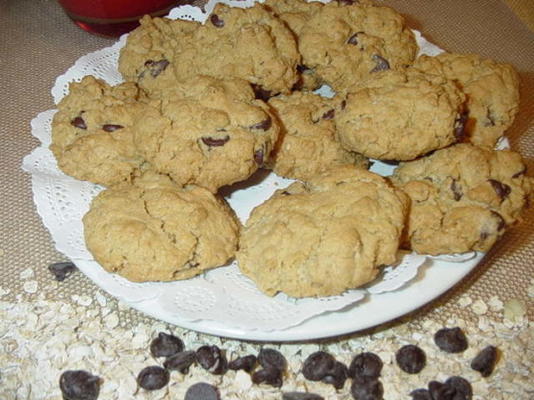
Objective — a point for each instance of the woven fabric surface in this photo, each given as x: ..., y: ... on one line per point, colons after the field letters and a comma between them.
x: 39, y: 43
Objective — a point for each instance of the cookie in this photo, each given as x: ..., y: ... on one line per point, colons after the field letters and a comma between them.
x: 308, y: 144
x: 347, y: 42
x: 92, y: 135
x: 207, y: 132
x: 324, y: 236
x: 153, y: 230
x: 463, y: 198
x: 250, y: 44
x: 492, y: 91
x: 400, y: 115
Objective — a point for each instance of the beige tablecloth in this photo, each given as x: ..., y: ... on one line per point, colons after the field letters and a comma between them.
x: 38, y: 42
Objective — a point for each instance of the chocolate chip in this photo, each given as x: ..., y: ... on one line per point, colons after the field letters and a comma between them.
x: 329, y: 114
x: 62, y: 270
x: 420, y: 394
x: 302, y: 68
x: 490, y: 118
x: 353, y: 39
x: 79, y: 385
x: 263, y: 125
x: 484, y: 362
x: 502, y: 222
x: 202, y: 391
x: 317, y: 365
x: 272, y: 358
x: 337, y: 375
x: 343, y: 104
x: 301, y: 396
x: 367, y: 389
x: 246, y: 363
x: 153, y: 378
x: 381, y: 63
x: 459, y: 126
x: 260, y: 93
x: 156, y: 67
x: 269, y: 375
x: 212, y: 359
x: 258, y: 157
x: 451, y: 340
x: 166, y: 345
x: 461, y: 386
x: 215, y: 142
x: 411, y: 359
x: 520, y: 173
x: 502, y: 189
x: 111, y: 127
x: 215, y: 20
x: 365, y: 364
x: 181, y: 361
x: 440, y: 391
x: 79, y: 123
x: 456, y: 189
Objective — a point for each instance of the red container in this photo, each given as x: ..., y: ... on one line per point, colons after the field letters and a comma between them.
x: 113, y: 17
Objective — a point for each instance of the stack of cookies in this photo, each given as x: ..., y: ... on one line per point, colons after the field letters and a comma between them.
x: 204, y: 106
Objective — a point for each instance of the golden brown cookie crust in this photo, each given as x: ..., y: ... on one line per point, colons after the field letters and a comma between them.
x: 463, y: 198
x: 400, y: 115
x: 153, y: 230
x: 492, y: 91
x: 308, y: 144
x: 325, y: 236
x: 250, y: 44
x: 207, y: 132
x: 92, y: 135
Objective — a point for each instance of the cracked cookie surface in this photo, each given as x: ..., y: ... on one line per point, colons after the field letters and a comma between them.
x: 346, y: 42
x: 207, y: 132
x: 463, y: 198
x: 92, y: 135
x: 250, y: 44
x: 324, y: 236
x: 492, y: 91
x: 400, y: 115
x: 308, y: 141
x: 153, y: 230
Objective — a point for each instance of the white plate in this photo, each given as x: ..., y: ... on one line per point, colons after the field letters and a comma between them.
x: 62, y: 201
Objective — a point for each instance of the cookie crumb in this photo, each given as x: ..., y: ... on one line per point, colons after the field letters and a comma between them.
x: 30, y: 286
x: 514, y: 309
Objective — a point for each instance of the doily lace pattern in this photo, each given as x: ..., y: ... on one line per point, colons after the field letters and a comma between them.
x: 221, y: 295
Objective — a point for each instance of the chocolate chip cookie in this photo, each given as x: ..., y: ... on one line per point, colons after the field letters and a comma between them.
x: 400, y: 115
x: 250, y: 44
x: 92, y: 135
x: 347, y: 42
x: 492, y: 91
x: 308, y: 143
x: 463, y: 197
x: 324, y: 236
x: 154, y: 230
x: 207, y: 132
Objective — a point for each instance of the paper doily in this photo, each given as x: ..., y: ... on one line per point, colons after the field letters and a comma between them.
x: 221, y: 295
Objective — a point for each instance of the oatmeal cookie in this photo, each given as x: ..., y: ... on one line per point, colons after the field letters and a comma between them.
x: 492, y: 91
x: 400, y: 115
x: 463, y: 197
x: 92, y: 135
x: 324, y: 236
x: 345, y: 42
x: 153, y: 230
x: 308, y: 143
x: 207, y: 132
x: 250, y: 44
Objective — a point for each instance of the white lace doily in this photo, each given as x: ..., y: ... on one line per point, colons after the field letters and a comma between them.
x: 222, y: 295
